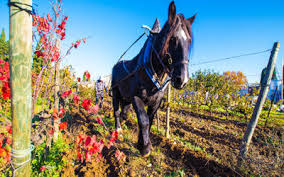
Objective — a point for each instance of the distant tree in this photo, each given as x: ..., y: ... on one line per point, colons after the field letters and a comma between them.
x: 233, y: 83
x: 4, y: 49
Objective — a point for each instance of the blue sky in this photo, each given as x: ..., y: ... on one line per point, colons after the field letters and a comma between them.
x: 221, y: 29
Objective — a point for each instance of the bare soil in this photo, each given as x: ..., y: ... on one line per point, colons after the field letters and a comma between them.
x: 198, y: 146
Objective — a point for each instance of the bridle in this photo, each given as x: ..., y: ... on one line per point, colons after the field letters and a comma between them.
x: 169, y: 65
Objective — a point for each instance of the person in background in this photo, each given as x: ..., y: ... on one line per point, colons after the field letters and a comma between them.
x: 99, y: 90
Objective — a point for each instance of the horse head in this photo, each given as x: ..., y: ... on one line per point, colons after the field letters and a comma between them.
x: 176, y: 45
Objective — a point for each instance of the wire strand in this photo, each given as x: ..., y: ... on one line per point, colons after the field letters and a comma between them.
x: 228, y: 58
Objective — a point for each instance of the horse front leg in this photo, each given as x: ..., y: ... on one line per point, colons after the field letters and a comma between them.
x: 153, y: 108
x: 144, y: 143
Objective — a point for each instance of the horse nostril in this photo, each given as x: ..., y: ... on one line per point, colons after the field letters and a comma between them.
x: 178, y: 80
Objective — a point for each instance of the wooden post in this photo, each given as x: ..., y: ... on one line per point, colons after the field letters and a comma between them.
x: 260, y: 101
x: 21, y: 91
x: 168, y: 111
x: 56, y: 94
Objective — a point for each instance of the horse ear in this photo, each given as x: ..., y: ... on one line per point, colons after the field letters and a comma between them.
x: 191, y: 19
x: 172, y: 12
x: 156, y: 27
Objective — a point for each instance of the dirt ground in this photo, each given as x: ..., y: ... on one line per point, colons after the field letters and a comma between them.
x: 198, y: 146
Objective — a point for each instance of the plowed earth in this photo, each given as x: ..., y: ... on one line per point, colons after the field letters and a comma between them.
x: 198, y: 146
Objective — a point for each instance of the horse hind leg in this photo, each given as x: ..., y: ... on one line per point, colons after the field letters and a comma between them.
x: 116, y: 112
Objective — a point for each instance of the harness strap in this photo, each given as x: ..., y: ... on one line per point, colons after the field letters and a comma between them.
x: 144, y: 60
x: 130, y: 46
x: 185, y: 62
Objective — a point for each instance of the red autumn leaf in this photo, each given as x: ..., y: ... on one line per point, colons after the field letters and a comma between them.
x: 94, y: 139
x: 87, y: 75
x: 117, y: 153
x: 99, y: 120
x: 62, y: 111
x: 80, y: 157
x: 80, y: 138
x: 94, y: 109
x: 8, y: 141
x: 62, y: 35
x: 94, y: 149
x: 2, y: 136
x: 120, y: 155
x: 6, y: 93
x: 42, y: 168
x: 101, y: 146
x: 55, y: 114
x: 114, y: 136
x: 62, y: 125
x: 76, y: 99
x: 88, y: 157
x: 9, y: 128
x: 79, y: 79
x: 66, y: 18
x: 84, y: 40
x: 3, y: 152
x: 66, y: 94
x: 86, y: 104
x: 34, y: 20
x: 38, y: 53
x: 7, y: 158
x: 74, y: 45
x: 49, y: 18
x: 58, y: 31
x: 77, y: 43
x: 51, y: 131
x: 88, y: 141
x: 62, y: 25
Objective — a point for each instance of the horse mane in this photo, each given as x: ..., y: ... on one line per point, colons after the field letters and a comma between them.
x: 168, y: 31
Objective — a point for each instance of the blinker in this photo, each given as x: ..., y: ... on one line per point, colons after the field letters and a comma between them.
x: 169, y: 59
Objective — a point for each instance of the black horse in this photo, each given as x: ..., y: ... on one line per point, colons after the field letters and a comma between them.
x: 142, y: 80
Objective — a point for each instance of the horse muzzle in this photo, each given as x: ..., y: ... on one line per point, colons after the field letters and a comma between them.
x: 178, y: 82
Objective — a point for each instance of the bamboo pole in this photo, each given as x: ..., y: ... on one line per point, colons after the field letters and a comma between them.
x: 158, y: 121
x: 260, y: 101
x: 282, y: 81
x: 56, y: 94
x: 21, y: 96
x: 174, y: 95
x: 168, y: 111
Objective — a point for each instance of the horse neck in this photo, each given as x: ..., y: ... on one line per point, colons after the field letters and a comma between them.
x: 158, y: 44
